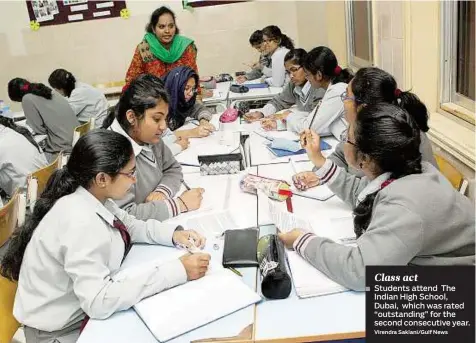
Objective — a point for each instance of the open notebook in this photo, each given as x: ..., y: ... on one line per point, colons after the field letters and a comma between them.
x: 318, y: 193
x: 184, y: 308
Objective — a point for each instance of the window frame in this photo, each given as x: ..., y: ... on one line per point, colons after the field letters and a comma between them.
x: 450, y: 100
x: 354, y: 61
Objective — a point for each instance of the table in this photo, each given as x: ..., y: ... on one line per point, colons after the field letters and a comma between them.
x: 254, y: 94
x: 260, y: 154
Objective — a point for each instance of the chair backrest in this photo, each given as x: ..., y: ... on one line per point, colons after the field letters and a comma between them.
x: 454, y: 176
x: 37, y: 180
x: 81, y: 130
x: 9, y: 324
x: 9, y: 218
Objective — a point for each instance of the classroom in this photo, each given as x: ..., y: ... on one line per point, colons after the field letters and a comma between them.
x: 232, y: 171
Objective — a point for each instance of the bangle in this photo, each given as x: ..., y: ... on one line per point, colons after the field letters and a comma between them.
x: 183, y: 202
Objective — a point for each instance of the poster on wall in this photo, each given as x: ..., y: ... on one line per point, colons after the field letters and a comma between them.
x: 52, y: 12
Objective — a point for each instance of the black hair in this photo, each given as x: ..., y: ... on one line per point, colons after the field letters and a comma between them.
x: 323, y: 60
x: 386, y: 135
x: 297, y: 56
x: 62, y: 79
x: 256, y: 38
x: 373, y: 85
x: 273, y: 32
x: 18, y: 88
x: 99, y: 151
x: 143, y: 93
x: 154, y: 19
x: 7, y: 122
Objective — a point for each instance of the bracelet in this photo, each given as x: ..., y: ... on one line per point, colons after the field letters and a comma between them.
x: 183, y: 202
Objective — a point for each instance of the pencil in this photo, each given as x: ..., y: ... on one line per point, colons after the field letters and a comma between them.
x: 185, y: 184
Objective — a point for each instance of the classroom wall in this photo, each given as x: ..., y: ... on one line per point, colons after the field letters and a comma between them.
x: 101, y: 50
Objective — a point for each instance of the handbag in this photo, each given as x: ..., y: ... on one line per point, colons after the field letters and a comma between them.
x: 220, y: 164
x: 275, y: 282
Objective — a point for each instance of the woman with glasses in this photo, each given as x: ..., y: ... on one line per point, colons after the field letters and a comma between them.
x: 141, y: 117
x: 276, y: 45
x: 181, y: 85
x: 405, y: 211
x: 298, y: 92
x: 371, y: 86
x: 67, y: 256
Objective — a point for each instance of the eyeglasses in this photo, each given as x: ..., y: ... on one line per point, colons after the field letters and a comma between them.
x: 344, y: 96
x: 267, y: 40
x: 344, y: 137
x: 131, y: 175
x: 293, y: 70
x: 192, y: 90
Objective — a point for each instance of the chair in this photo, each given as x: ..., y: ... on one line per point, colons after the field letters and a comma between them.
x: 81, y: 130
x: 9, y: 218
x: 36, y: 182
x: 9, y: 324
x: 454, y: 176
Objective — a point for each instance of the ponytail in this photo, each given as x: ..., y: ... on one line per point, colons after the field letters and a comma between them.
x: 18, y: 88
x: 343, y: 75
x: 417, y: 110
x: 111, y: 115
x: 287, y: 42
x: 323, y: 60
x: 388, y: 136
x: 98, y: 151
x: 19, y: 129
x: 61, y: 183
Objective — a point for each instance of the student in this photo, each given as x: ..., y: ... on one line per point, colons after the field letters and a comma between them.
x: 327, y: 118
x: 67, y: 255
x: 371, y: 86
x: 405, y: 211
x: 298, y: 92
x: 162, y: 48
x: 276, y: 45
x: 20, y: 156
x: 140, y: 115
x: 181, y: 85
x: 47, y: 113
x: 260, y: 68
x: 86, y: 101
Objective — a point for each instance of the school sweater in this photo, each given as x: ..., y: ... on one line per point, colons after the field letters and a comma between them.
x: 419, y: 219
x: 256, y: 73
x: 327, y: 118
x: 157, y: 170
x: 88, y: 102
x: 18, y: 159
x: 304, y: 97
x: 53, y: 118
x: 425, y: 149
x: 278, y: 72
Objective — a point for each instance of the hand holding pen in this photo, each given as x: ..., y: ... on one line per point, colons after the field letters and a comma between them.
x: 312, y: 143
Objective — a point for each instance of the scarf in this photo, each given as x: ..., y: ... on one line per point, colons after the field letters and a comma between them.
x: 177, y: 48
x: 175, y: 82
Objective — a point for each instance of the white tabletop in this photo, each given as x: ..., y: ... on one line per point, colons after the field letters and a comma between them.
x: 255, y: 93
x: 220, y: 93
x: 260, y: 154
x: 111, y: 90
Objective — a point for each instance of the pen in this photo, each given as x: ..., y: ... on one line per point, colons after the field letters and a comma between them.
x: 185, y: 184
x: 235, y: 271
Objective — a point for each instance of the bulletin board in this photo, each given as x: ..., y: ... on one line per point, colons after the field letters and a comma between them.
x: 52, y: 12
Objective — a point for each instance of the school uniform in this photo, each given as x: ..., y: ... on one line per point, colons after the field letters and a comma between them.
x: 88, y: 102
x: 69, y: 269
x: 157, y: 171
x: 256, y: 73
x: 18, y: 159
x: 327, y: 118
x: 418, y: 219
x: 425, y: 149
x: 305, y: 99
x: 278, y: 73
x: 53, y: 118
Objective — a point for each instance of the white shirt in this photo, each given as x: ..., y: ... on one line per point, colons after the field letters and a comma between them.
x: 278, y: 72
x: 18, y: 159
x: 69, y: 265
x: 88, y: 102
x: 328, y: 116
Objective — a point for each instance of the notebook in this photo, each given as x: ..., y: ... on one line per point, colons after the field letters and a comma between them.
x: 184, y: 308
x: 321, y: 193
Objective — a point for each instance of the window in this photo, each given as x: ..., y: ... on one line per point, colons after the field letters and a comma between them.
x: 458, y: 59
x: 359, y: 33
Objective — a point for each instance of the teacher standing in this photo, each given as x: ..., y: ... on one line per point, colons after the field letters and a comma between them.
x: 162, y: 48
